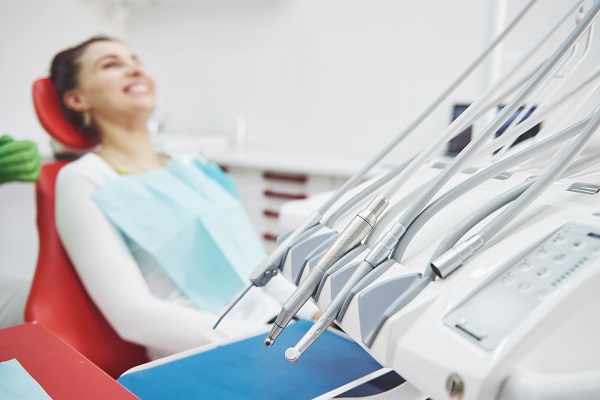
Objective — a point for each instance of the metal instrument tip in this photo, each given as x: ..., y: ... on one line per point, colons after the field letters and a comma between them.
x: 232, y: 305
x: 292, y: 354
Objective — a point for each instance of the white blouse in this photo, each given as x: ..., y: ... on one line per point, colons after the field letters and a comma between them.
x: 138, y: 299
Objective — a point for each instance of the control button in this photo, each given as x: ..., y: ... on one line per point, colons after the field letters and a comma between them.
x: 542, y: 252
x: 559, y: 239
x: 508, y: 279
x: 525, y: 265
x: 542, y: 294
x: 560, y: 258
x: 584, y: 187
x: 503, y: 176
x: 543, y: 272
x: 525, y: 286
x: 577, y: 244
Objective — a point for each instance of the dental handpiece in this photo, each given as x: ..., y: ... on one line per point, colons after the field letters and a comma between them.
x: 352, y: 235
x: 293, y: 353
x: 373, y: 259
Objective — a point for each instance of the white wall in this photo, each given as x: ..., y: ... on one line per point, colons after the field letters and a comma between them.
x: 344, y: 74
x: 31, y: 32
x: 347, y: 75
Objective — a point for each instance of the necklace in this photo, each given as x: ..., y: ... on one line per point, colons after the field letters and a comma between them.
x: 128, y: 166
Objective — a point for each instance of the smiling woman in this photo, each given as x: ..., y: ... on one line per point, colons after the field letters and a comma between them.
x: 161, y: 244
x: 105, y: 90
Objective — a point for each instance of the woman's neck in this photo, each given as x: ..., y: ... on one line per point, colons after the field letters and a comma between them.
x: 129, y: 151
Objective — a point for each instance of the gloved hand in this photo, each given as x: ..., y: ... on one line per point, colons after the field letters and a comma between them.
x: 19, y: 160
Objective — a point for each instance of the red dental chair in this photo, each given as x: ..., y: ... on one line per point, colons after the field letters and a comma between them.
x: 57, y: 298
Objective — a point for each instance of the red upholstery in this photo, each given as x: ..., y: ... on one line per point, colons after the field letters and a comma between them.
x: 58, y: 299
x: 53, y: 120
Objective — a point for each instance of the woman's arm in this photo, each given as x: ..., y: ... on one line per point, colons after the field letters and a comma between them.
x: 114, y: 281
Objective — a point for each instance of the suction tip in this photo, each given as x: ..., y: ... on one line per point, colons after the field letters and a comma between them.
x: 269, y: 342
x: 292, y: 354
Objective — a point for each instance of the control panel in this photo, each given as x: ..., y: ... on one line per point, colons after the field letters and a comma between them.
x: 491, y: 313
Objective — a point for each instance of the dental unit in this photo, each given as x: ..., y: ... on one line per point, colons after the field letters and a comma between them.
x: 451, y: 273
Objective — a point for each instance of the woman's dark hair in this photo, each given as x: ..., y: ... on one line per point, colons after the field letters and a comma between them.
x: 64, y: 72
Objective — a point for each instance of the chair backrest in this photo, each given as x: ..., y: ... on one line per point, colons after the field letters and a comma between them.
x: 50, y: 115
x: 57, y: 297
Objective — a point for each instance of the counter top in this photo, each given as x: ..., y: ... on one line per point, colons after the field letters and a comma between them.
x: 284, y: 159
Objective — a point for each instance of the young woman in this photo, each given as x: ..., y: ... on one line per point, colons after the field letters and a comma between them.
x: 165, y: 297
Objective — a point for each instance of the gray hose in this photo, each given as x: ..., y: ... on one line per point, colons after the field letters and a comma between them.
x: 558, y: 168
x: 383, y: 248
x: 545, y: 180
x: 400, y: 137
x: 363, y: 194
x: 438, y: 204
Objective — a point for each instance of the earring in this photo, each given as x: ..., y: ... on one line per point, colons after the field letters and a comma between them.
x: 87, y: 119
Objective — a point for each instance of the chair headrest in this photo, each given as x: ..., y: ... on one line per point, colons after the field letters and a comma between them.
x: 52, y: 118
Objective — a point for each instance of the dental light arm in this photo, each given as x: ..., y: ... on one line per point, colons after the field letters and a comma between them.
x: 455, y: 257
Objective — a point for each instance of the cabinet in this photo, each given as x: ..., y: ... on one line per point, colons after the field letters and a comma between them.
x: 265, y: 191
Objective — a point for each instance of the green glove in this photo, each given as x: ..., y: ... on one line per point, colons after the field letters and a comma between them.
x: 19, y: 160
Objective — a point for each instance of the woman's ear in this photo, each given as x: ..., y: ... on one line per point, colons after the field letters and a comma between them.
x: 76, y: 101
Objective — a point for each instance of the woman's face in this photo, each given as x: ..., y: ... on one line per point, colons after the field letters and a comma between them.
x: 112, y: 84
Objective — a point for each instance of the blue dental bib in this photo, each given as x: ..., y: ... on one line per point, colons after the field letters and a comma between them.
x: 189, y: 218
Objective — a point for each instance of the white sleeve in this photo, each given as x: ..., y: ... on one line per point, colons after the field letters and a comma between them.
x: 114, y: 281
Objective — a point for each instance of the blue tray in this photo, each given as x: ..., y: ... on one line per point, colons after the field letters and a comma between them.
x: 248, y: 370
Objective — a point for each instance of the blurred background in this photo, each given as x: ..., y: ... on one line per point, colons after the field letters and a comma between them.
x: 341, y: 77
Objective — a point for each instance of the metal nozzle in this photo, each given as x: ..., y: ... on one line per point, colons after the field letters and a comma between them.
x: 275, y: 331
x: 328, y: 315
x: 292, y: 354
x: 294, y: 303
x: 454, y: 258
